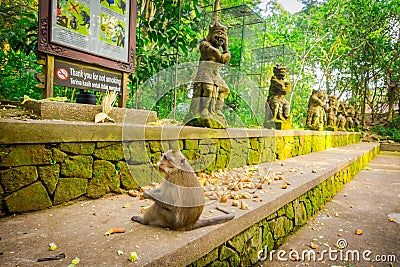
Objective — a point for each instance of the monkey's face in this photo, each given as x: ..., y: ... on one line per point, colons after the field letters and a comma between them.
x: 165, y: 167
x: 170, y: 162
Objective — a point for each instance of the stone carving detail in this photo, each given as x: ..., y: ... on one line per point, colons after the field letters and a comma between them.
x: 209, y: 88
x: 357, y: 120
x: 316, y: 113
x: 278, y: 89
x: 342, y: 114
x: 276, y: 101
x: 331, y: 110
x: 350, y: 114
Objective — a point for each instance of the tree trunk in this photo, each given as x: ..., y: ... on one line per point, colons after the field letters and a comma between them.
x: 391, y: 98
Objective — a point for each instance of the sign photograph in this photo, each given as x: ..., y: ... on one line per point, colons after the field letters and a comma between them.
x: 100, y: 32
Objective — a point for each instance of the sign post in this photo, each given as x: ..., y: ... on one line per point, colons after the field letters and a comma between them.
x: 89, y: 45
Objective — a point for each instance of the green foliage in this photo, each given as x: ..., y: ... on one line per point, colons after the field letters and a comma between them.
x: 17, y: 76
x: 392, y: 132
x: 18, y: 38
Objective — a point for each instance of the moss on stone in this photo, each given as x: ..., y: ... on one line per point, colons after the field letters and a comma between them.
x: 300, y: 213
x: 144, y: 174
x: 18, y: 177
x: 225, y: 252
x: 289, y: 211
x: 191, y: 144
x: 137, y: 152
x: 282, y: 226
x: 24, y: 155
x: 77, y: 166
x: 58, y: 156
x: 69, y: 188
x: 49, y: 176
x: 105, y: 179
x: 254, y: 157
x: 30, y: 198
x: 127, y: 180
x: 191, y: 155
x: 155, y: 146
x: 113, y: 152
x: 78, y: 148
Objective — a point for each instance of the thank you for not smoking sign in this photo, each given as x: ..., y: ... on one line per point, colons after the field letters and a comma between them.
x: 87, y: 78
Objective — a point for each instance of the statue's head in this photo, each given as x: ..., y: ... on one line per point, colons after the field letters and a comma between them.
x: 217, y: 34
x: 279, y: 71
x: 333, y: 100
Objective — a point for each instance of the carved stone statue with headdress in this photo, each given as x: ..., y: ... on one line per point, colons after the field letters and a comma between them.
x: 341, y: 116
x: 276, y: 101
x: 331, y: 111
x: 209, y: 89
x: 316, y: 113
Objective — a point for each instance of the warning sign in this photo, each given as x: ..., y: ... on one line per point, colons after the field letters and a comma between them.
x: 62, y: 74
x: 87, y: 78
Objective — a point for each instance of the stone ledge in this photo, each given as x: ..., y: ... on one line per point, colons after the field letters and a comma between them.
x: 49, y: 110
x: 390, y: 147
x: 157, y: 246
x: 50, y: 131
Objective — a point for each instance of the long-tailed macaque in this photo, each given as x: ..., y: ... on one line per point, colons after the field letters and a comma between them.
x: 179, y: 201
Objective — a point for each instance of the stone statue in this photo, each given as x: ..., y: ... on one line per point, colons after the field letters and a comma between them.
x: 316, y: 113
x: 357, y: 120
x: 331, y: 110
x: 350, y: 114
x: 276, y: 101
x: 209, y: 89
x: 341, y: 116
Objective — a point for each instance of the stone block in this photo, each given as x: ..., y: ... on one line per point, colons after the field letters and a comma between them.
x: 77, y: 166
x: 105, y: 179
x: 127, y: 181
x: 23, y: 155
x: 30, y: 198
x: 282, y: 227
x: 18, y: 177
x: 225, y: 144
x: 191, y: 144
x: 58, y: 156
x: 49, y: 176
x: 112, y: 152
x: 225, y: 252
x: 136, y: 152
x: 289, y: 211
x: 69, y: 188
x: 155, y: 146
x: 78, y: 148
x: 4, y: 150
x: 144, y: 174
x: 300, y: 213
x: 283, y: 125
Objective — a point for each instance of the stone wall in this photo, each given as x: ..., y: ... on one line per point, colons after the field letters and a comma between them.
x: 35, y: 175
x: 245, y: 248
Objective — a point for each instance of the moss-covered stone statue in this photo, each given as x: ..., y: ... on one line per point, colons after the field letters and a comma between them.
x: 350, y: 114
x: 331, y: 111
x: 209, y: 89
x: 357, y: 121
x: 316, y: 113
x: 341, y: 116
x: 277, y: 102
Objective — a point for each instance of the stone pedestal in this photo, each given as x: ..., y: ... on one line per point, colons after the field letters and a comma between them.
x: 283, y: 125
x: 48, y: 110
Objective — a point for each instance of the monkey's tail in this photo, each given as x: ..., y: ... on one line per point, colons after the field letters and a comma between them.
x: 229, y: 215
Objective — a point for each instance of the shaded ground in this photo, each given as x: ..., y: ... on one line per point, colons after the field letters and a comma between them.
x: 370, y: 203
